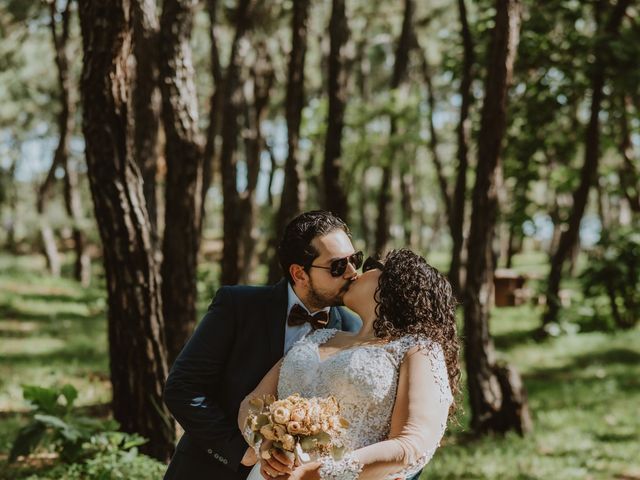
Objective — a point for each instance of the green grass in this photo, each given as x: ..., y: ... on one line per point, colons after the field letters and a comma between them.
x: 584, y: 389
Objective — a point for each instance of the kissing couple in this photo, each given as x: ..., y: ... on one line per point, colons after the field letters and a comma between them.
x: 390, y: 359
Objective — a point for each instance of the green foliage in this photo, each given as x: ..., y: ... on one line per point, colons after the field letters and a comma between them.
x: 55, y: 426
x: 614, y: 271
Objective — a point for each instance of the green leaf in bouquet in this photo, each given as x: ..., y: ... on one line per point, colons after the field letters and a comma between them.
x: 313, y: 441
x: 254, y: 438
x: 338, y: 452
x: 256, y: 422
x: 27, y: 440
x: 256, y: 405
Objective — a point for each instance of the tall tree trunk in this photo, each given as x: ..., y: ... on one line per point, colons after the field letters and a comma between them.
x: 136, y: 328
x: 570, y: 237
x: 294, y: 191
x: 233, y: 101
x: 146, y: 103
x: 60, y: 37
x: 401, y: 63
x: 463, y: 132
x: 433, y: 139
x: 184, y: 157
x: 628, y: 173
x: 335, y: 198
x: 263, y: 77
x: 72, y: 200
x: 82, y: 264
x: 497, y: 396
x: 215, y: 109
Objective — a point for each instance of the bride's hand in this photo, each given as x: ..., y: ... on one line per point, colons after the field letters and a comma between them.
x: 278, y: 465
x: 307, y: 471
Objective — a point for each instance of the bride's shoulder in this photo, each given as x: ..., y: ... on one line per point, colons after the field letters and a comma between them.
x: 411, y: 344
x: 321, y: 335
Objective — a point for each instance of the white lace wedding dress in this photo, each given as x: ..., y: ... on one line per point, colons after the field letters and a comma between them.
x: 400, y: 434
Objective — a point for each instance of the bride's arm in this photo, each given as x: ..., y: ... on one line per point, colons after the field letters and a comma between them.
x: 417, y: 424
x: 268, y: 385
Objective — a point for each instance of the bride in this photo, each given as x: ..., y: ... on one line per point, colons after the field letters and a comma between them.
x: 396, y: 380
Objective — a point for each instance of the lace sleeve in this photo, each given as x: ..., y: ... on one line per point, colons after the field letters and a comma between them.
x: 418, y: 420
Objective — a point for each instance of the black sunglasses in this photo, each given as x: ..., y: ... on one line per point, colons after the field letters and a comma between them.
x: 372, y: 264
x: 339, y: 266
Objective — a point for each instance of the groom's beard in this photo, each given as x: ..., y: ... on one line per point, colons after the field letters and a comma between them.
x: 319, y: 299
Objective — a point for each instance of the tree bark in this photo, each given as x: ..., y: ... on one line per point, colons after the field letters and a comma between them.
x: 210, y: 166
x: 146, y: 103
x: 82, y: 264
x: 570, y: 237
x: 136, y: 328
x: 463, y: 133
x: 401, y: 63
x: 497, y: 396
x: 65, y: 125
x: 184, y: 157
x: 294, y: 191
x: 263, y: 77
x: 335, y: 198
x: 628, y: 173
x: 232, y: 221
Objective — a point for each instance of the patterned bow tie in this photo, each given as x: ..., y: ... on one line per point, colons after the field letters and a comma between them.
x: 299, y: 316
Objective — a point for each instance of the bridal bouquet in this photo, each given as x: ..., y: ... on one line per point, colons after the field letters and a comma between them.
x: 298, y: 426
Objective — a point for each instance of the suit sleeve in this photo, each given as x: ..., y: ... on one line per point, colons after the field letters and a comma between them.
x: 199, y: 367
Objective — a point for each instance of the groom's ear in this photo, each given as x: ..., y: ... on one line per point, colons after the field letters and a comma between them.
x: 299, y: 275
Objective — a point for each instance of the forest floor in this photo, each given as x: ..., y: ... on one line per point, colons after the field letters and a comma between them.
x: 583, y: 387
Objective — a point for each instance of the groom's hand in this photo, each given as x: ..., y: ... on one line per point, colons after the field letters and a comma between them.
x: 276, y: 463
x: 250, y: 458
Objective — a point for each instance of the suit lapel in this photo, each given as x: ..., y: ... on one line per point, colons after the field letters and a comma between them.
x: 276, y: 319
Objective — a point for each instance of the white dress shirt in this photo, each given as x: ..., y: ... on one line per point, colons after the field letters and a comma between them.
x: 293, y: 334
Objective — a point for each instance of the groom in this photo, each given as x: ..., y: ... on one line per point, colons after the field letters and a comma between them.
x: 244, y: 333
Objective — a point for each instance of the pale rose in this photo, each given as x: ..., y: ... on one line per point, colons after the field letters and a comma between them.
x: 295, y: 428
x: 279, y: 431
x: 281, y: 415
x: 268, y: 433
x: 298, y: 414
x: 288, y: 442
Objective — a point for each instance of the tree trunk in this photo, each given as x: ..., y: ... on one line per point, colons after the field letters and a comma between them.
x: 401, y: 63
x: 146, y: 103
x: 65, y: 125
x: 82, y: 264
x: 293, y: 192
x: 497, y: 396
x: 335, y: 198
x: 433, y: 139
x: 570, y: 237
x: 72, y: 199
x: 210, y: 166
x: 463, y: 133
x: 263, y: 77
x: 628, y: 173
x: 136, y: 328
x: 232, y: 222
x: 184, y: 157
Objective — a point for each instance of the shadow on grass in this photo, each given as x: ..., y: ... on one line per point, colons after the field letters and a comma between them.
x: 508, y: 340
x: 82, y: 354
x: 7, y: 311
x: 546, y: 382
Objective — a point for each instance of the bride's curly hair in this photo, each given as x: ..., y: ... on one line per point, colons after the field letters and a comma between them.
x: 413, y: 298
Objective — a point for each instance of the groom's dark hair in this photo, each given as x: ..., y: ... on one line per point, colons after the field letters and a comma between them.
x: 295, y: 245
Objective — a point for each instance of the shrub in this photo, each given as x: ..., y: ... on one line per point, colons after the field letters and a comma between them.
x: 614, y: 272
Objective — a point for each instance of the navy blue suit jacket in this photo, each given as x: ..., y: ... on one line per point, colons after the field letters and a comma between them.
x: 238, y: 340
